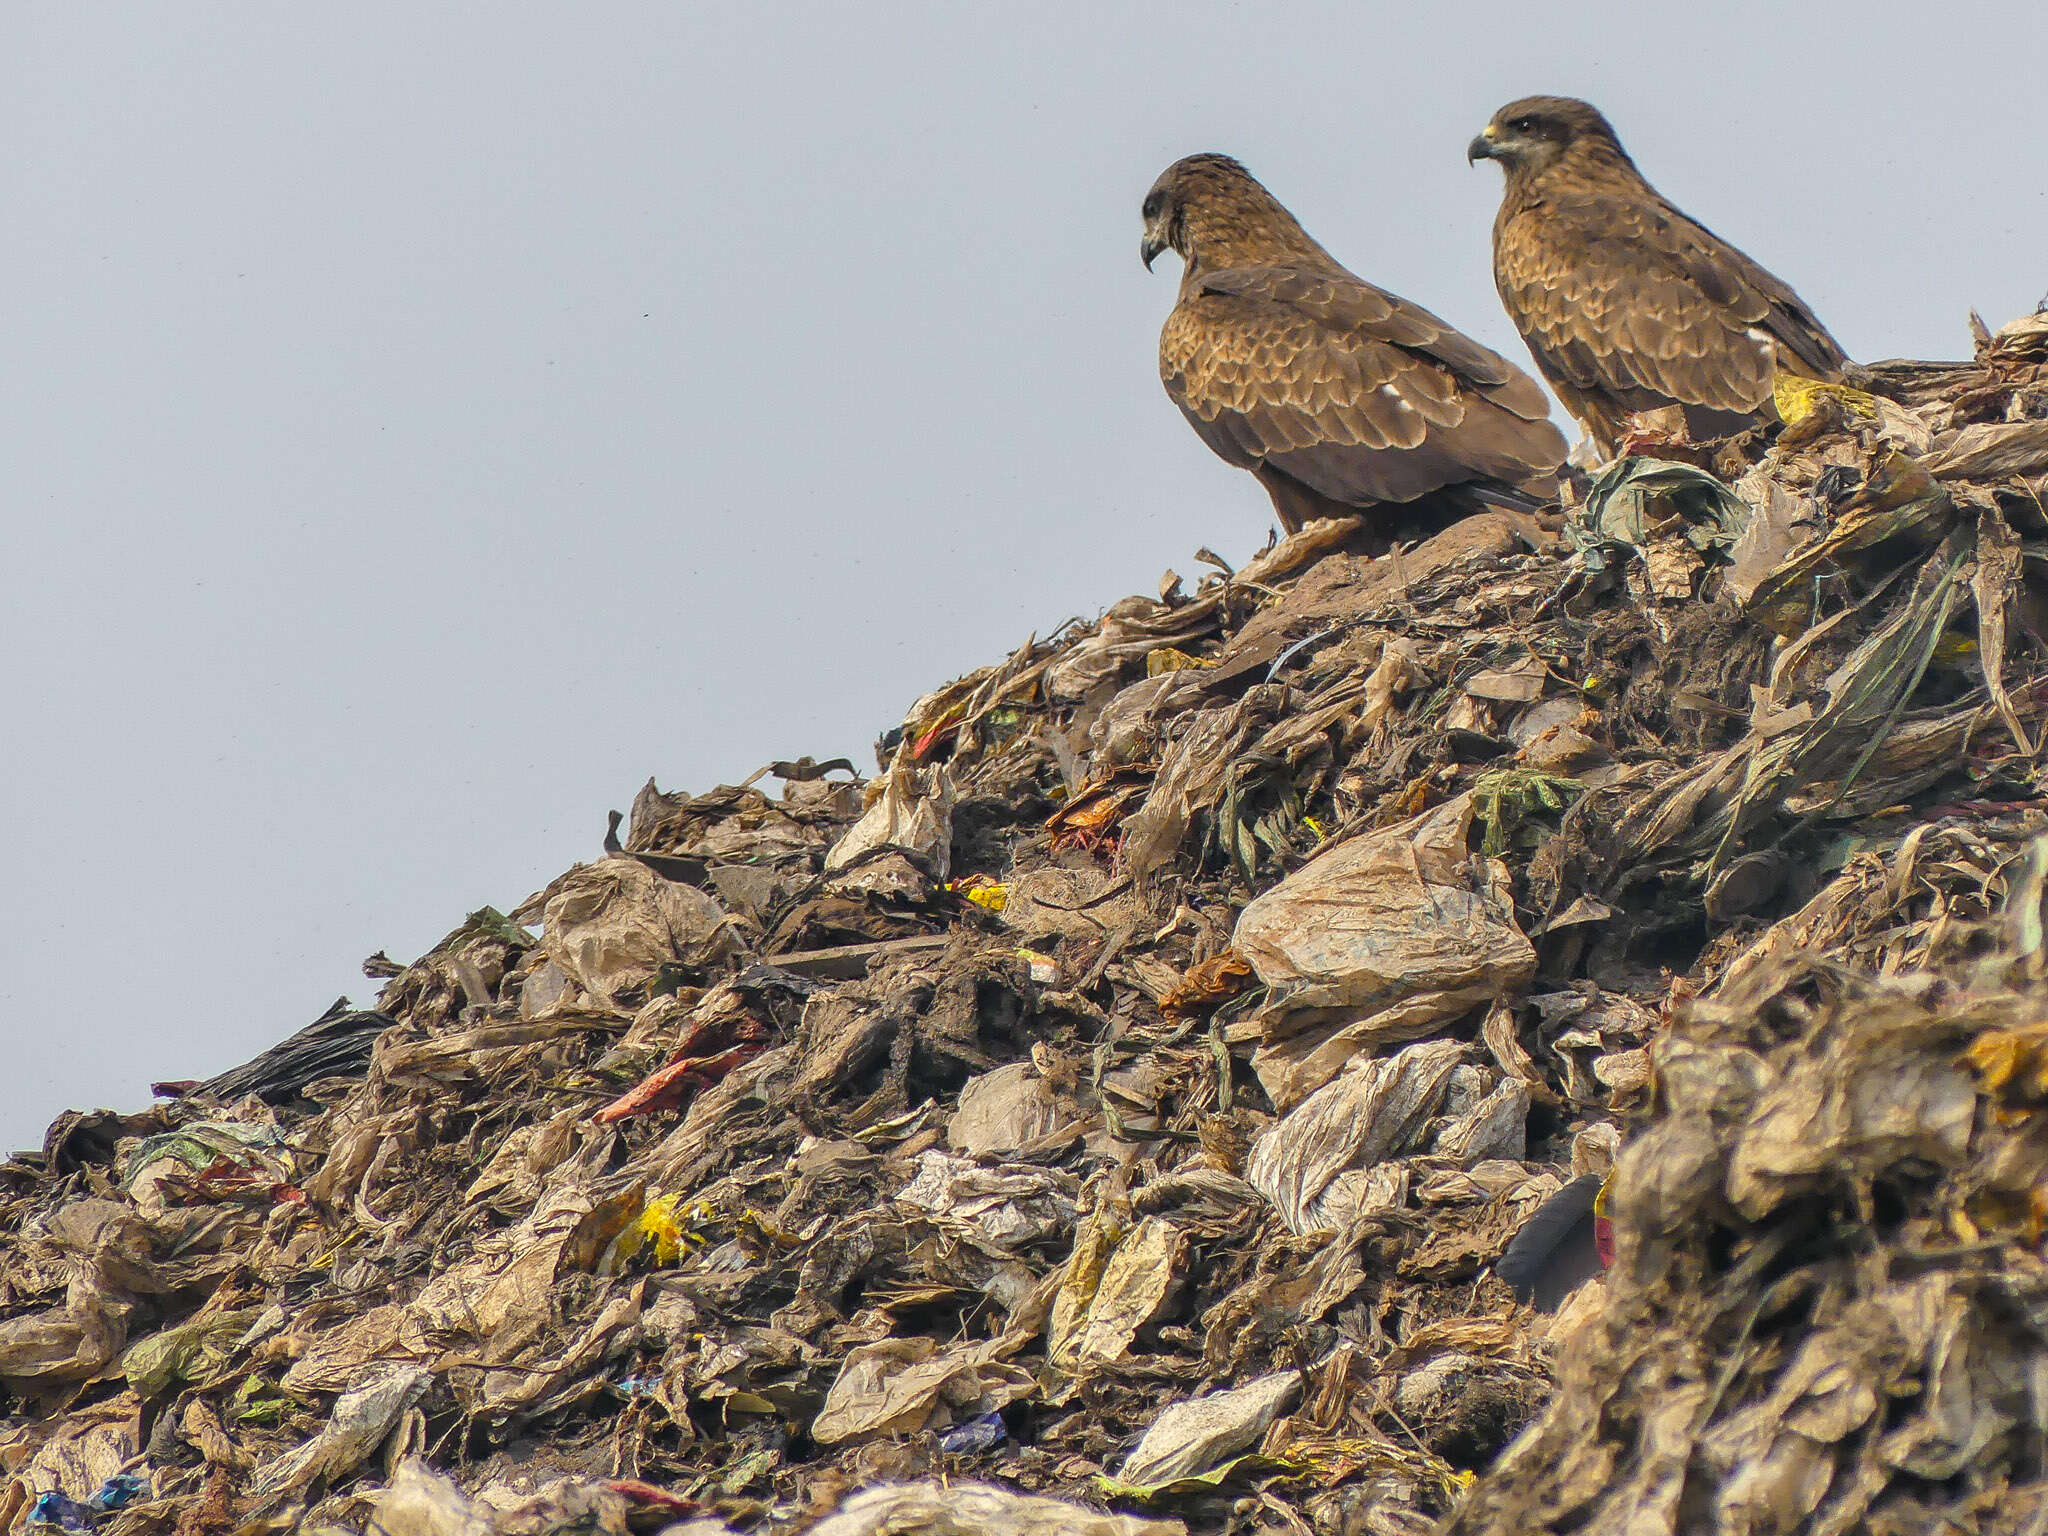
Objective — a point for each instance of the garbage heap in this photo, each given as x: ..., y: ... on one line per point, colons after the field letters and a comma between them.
x: 1104, y: 1120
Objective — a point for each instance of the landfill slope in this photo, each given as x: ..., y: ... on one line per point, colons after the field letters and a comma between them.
x: 1106, y: 1117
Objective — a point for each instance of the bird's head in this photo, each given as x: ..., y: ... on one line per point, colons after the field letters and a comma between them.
x: 1531, y: 135
x: 1161, y: 213
x: 1212, y: 213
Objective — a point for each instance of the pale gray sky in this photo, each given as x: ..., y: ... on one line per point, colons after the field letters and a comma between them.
x: 420, y: 424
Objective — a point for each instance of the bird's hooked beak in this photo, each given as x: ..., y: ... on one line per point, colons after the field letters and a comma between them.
x: 1485, y: 147
x: 1158, y: 216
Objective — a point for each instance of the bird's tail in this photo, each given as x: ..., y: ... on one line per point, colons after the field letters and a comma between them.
x: 1532, y: 495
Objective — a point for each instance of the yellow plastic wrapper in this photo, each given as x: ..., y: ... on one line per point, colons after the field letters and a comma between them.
x: 2012, y: 1065
x: 989, y: 895
x: 1797, y: 398
x: 658, y: 1225
x: 1167, y: 659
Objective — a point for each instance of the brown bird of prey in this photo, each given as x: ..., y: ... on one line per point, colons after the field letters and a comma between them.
x: 1627, y: 304
x: 1337, y: 395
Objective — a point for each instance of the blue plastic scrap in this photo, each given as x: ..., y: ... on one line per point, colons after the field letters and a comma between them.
x: 59, y: 1512
x: 56, y: 1511
x: 119, y: 1491
x: 975, y: 1435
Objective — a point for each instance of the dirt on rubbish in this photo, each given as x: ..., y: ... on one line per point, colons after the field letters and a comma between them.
x: 1105, y: 1119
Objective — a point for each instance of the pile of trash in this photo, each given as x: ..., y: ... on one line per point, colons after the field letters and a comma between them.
x: 1106, y: 1119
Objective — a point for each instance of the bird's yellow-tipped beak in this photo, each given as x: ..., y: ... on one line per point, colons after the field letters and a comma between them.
x: 1149, y: 248
x: 1482, y: 148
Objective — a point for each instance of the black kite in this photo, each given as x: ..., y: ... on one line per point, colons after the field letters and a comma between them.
x: 1627, y: 304
x: 1337, y: 395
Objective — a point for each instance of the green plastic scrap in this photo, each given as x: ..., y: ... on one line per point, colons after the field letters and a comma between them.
x: 203, y: 1143
x: 1505, y: 800
x: 1866, y: 695
x: 1638, y: 498
x: 258, y: 1402
x: 490, y: 923
x: 197, y: 1351
x: 1194, y: 1482
x: 2025, y: 907
x: 1001, y: 725
x: 1319, y: 1463
x: 1259, y: 815
x: 747, y: 1471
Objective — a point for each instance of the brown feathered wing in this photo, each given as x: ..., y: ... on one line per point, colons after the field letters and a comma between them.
x: 1358, y: 394
x: 1628, y: 305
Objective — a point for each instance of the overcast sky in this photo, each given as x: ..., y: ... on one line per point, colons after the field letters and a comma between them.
x: 420, y: 424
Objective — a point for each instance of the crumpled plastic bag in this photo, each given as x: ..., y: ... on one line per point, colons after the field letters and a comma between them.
x: 56, y: 1511
x: 361, y: 1418
x: 912, y: 810
x: 1004, y: 1109
x: 1130, y: 631
x: 1317, y: 1163
x: 197, y: 1351
x: 1006, y: 1206
x: 108, y: 1254
x: 1638, y: 501
x: 423, y: 1502
x: 1386, y: 937
x: 974, y: 1509
x: 1074, y: 903
x: 1189, y: 777
x: 336, y: 1356
x: 904, y: 1386
x: 61, y: 1343
x: 252, y: 1151
x: 1197, y: 1435
x: 1129, y: 1291
x: 536, y: 1384
x: 1496, y: 1127
x: 614, y: 924
x: 81, y: 1458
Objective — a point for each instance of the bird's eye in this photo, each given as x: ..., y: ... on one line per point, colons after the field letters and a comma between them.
x: 1152, y: 206
x: 1523, y: 125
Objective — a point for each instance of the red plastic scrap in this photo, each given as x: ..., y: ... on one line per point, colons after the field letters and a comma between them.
x: 645, y: 1496
x: 665, y: 1087
x: 226, y: 1179
x: 1089, y: 820
x: 948, y: 723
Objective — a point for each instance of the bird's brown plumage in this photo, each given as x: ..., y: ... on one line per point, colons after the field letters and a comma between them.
x: 1628, y: 305
x: 1337, y: 395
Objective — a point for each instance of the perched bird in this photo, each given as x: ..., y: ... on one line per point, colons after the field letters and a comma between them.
x: 1627, y: 304
x: 1566, y: 1243
x: 1337, y: 395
